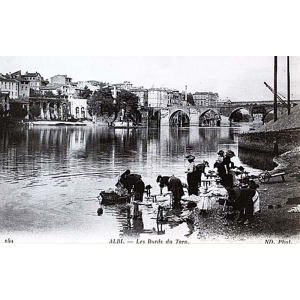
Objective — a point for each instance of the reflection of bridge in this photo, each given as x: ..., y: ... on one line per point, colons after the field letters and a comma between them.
x: 223, y: 113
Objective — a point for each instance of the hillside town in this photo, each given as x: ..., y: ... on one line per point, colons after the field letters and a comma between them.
x: 28, y: 96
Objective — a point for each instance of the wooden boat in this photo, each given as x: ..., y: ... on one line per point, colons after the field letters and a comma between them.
x: 113, y: 198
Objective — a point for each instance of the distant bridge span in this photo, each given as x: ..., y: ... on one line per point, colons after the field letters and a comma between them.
x: 225, y: 111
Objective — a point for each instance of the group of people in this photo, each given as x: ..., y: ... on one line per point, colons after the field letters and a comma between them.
x: 245, y: 200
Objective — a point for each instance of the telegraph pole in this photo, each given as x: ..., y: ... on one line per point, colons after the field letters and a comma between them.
x: 288, y: 86
x: 275, y: 88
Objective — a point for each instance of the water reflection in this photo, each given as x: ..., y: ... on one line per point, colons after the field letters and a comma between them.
x: 55, y: 173
x: 259, y: 160
x: 131, y: 223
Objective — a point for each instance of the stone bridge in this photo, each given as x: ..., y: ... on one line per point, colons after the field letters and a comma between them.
x: 257, y: 110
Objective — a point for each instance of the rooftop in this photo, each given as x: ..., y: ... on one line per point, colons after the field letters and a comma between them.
x: 61, y: 76
x: 31, y: 74
x: 6, y: 79
x: 52, y: 86
x: 205, y: 93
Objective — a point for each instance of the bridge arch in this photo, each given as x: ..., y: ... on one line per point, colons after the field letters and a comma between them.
x: 210, y: 120
x: 230, y: 117
x: 280, y: 112
x: 266, y: 114
x: 180, y: 118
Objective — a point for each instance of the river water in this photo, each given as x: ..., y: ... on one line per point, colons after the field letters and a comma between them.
x: 50, y: 177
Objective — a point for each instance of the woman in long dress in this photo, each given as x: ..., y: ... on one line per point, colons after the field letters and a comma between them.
x: 192, y: 179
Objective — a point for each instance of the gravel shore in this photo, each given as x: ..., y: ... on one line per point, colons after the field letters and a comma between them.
x: 274, y: 223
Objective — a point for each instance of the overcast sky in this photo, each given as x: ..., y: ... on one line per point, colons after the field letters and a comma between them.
x: 238, y: 78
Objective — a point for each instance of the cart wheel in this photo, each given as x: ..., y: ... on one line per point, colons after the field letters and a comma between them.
x: 264, y: 177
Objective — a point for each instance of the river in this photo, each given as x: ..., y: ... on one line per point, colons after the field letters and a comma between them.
x: 50, y: 177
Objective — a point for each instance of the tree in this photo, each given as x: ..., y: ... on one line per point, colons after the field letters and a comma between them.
x: 34, y: 110
x: 102, y: 103
x: 17, y: 111
x: 130, y: 103
x: 49, y: 94
x: 85, y: 93
x: 34, y: 93
x: 190, y: 99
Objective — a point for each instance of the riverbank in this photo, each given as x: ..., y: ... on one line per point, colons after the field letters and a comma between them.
x: 285, y: 131
x: 57, y: 123
x: 273, y: 222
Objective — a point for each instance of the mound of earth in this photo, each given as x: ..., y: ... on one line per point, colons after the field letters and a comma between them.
x: 285, y: 122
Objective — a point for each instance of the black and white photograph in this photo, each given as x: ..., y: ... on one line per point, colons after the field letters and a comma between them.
x: 149, y: 149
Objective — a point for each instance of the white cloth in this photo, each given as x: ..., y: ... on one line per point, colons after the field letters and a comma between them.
x: 191, y: 167
x: 256, y: 201
x: 191, y: 198
x: 205, y: 202
x: 220, y: 158
x: 235, y: 181
x: 295, y: 209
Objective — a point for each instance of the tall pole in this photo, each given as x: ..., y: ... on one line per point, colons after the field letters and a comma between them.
x: 275, y: 88
x: 185, y: 96
x: 288, y: 86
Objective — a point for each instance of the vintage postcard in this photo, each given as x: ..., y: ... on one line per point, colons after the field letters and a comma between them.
x: 150, y: 150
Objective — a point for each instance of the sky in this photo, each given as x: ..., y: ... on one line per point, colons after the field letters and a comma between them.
x: 239, y: 78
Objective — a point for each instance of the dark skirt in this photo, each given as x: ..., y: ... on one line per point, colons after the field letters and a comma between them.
x: 192, y: 184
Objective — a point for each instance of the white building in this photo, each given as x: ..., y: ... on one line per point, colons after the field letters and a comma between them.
x: 9, y: 85
x: 158, y: 97
x: 61, y: 89
x: 78, y: 108
x: 226, y: 101
x: 90, y: 85
x: 205, y: 98
x: 61, y: 79
x: 126, y: 85
x: 36, y: 81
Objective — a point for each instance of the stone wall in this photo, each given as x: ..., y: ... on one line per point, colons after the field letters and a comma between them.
x: 264, y: 141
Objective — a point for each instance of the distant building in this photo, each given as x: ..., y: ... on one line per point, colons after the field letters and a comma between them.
x: 226, y: 101
x: 126, y: 85
x: 56, y: 89
x: 142, y: 94
x: 205, y: 98
x: 36, y: 81
x: 175, y: 98
x: 24, y: 88
x: 67, y: 90
x: 10, y: 86
x: 91, y: 85
x: 61, y: 79
x: 158, y: 97
x: 4, y: 104
x: 78, y: 108
x: 24, y: 85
